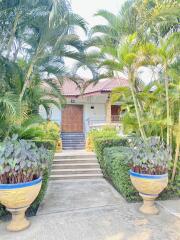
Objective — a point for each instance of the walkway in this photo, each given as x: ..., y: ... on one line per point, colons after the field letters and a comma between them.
x: 93, y: 210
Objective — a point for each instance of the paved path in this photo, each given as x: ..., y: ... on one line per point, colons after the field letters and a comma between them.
x: 93, y: 210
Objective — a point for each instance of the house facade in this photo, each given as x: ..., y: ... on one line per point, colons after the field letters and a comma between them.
x: 87, y: 110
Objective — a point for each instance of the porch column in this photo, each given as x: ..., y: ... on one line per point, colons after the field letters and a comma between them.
x: 108, y: 110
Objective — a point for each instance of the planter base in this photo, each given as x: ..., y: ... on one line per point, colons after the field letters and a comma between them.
x: 148, y: 206
x: 19, y: 221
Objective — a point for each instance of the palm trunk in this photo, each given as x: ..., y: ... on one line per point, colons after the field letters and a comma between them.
x: 175, y: 162
x: 11, y: 39
x: 177, y: 133
x: 29, y: 72
x: 167, y: 106
x: 141, y: 129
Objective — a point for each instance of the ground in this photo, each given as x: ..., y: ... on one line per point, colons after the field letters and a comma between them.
x: 93, y: 210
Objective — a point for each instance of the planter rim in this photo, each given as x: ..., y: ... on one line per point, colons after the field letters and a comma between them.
x: 20, y: 185
x: 139, y: 175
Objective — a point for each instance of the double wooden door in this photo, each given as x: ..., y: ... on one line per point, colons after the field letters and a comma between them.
x: 72, y: 118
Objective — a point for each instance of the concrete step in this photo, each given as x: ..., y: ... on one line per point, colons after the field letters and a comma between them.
x: 84, y: 157
x: 76, y: 161
x: 72, y: 140
x: 76, y: 176
x: 74, y: 147
x: 75, y: 165
x: 73, y: 144
x: 72, y: 136
x: 75, y: 171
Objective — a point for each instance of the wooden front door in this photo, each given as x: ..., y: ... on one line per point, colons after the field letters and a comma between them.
x: 72, y: 118
x: 115, y: 111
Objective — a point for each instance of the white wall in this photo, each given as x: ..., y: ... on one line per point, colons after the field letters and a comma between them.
x: 55, y: 114
x: 97, y: 114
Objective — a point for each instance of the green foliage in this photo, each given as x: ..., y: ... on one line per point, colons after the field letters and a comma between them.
x: 45, y: 179
x: 116, y: 170
x: 102, y: 143
x: 43, y: 131
x: 21, y: 160
x: 94, y: 134
x: 149, y: 157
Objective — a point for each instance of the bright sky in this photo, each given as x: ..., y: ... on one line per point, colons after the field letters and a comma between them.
x: 87, y: 8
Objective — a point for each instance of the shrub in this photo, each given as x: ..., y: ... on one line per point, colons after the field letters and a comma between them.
x: 149, y: 157
x: 21, y: 160
x: 102, y: 143
x: 42, y: 131
x: 116, y: 169
x: 94, y: 134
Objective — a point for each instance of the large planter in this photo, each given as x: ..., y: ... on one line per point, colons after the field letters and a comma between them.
x: 149, y: 187
x: 17, y: 198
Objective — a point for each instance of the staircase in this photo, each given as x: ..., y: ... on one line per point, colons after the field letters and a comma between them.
x: 72, y: 141
x: 75, y: 165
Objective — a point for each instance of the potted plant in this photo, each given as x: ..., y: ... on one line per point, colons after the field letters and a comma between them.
x: 149, y: 170
x: 21, y: 166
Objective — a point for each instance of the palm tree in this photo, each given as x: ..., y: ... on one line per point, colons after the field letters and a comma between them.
x: 43, y: 33
x: 130, y: 55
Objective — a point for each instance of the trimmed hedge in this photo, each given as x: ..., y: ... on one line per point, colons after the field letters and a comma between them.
x: 100, y: 144
x: 116, y: 169
x: 32, y: 210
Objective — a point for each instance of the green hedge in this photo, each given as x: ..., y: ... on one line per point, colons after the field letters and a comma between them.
x: 32, y: 210
x: 100, y: 144
x: 116, y: 170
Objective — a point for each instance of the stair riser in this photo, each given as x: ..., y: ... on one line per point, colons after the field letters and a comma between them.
x: 79, y: 157
x: 72, y: 140
x: 60, y: 166
x: 75, y: 177
x: 72, y: 133
x: 69, y: 172
x: 73, y: 144
x: 61, y: 162
x: 72, y: 136
x: 73, y: 147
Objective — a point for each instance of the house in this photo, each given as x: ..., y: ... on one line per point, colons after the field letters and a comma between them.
x: 88, y: 109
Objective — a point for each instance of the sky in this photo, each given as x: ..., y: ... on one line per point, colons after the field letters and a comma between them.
x: 87, y: 8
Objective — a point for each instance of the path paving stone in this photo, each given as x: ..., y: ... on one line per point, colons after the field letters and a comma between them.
x: 93, y: 210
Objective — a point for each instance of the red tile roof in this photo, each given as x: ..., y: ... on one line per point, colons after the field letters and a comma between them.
x: 106, y: 85
x: 70, y: 89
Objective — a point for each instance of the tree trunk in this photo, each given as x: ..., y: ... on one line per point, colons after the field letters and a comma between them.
x: 30, y: 70
x: 167, y: 106
x: 11, y: 39
x: 141, y: 129
x: 175, y: 162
